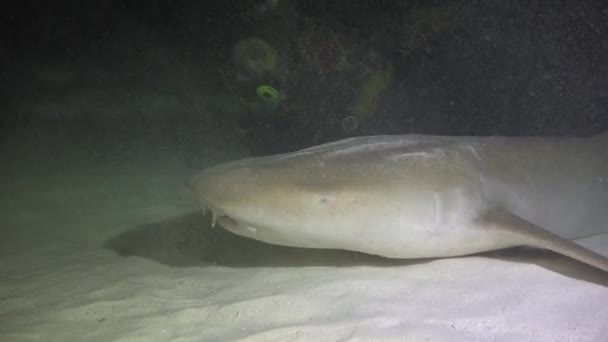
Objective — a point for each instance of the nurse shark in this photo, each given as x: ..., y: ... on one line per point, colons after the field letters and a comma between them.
x: 418, y: 196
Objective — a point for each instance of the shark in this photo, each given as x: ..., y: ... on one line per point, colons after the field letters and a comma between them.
x: 418, y: 196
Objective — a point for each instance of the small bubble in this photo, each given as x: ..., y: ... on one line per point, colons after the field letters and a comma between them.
x: 349, y: 124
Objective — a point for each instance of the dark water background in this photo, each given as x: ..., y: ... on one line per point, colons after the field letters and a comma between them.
x: 110, y: 73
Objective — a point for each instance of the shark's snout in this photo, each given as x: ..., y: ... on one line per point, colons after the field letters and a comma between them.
x: 220, y: 188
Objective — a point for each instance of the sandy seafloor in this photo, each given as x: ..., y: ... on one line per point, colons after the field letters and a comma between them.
x: 103, y: 243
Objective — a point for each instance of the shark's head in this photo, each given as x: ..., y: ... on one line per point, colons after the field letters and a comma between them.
x: 330, y: 196
x: 282, y: 200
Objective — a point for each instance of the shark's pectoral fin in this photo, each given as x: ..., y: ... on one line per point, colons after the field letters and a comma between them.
x: 530, y: 234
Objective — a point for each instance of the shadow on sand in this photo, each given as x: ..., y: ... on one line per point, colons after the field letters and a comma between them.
x: 189, y: 240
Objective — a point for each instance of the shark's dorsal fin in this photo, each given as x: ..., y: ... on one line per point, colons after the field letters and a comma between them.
x: 535, y: 236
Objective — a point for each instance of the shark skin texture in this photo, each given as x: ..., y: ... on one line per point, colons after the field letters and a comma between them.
x: 418, y: 196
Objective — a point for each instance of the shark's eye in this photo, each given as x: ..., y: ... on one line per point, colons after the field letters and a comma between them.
x: 326, y: 199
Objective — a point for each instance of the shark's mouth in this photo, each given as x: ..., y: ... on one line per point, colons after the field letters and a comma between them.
x: 217, y: 215
x: 229, y: 223
x: 262, y: 233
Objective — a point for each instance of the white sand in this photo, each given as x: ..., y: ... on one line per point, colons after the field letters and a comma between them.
x: 96, y: 247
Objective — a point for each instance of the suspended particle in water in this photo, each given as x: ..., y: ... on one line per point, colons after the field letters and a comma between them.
x: 349, y: 124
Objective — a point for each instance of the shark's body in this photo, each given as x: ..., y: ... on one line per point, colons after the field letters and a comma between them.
x: 417, y: 196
